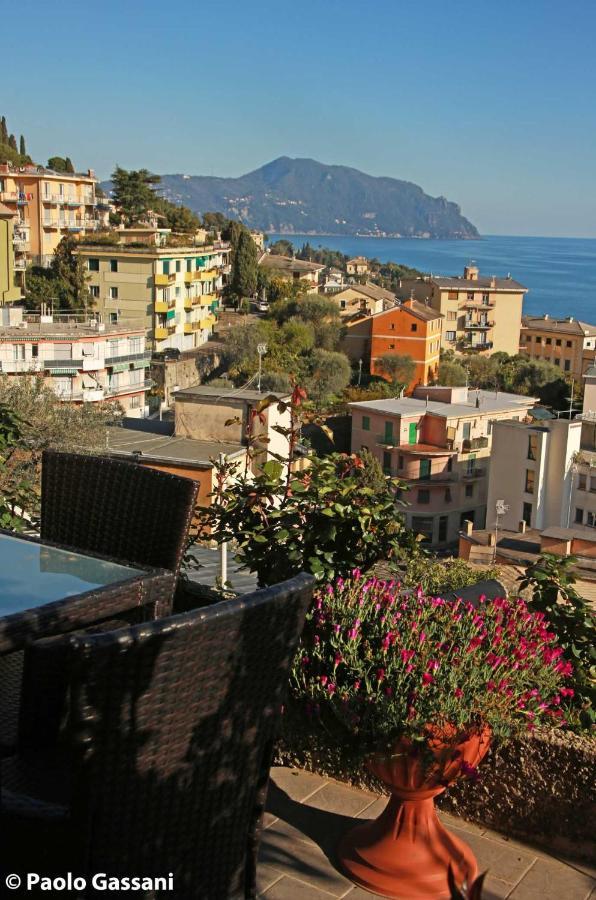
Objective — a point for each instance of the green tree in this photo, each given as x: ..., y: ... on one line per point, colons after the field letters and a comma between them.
x: 398, y: 367
x: 41, y: 288
x: 214, y: 220
x: 328, y: 374
x: 244, y: 266
x: 22, y: 147
x: 3, y: 131
x: 57, y: 163
x: 451, y: 373
x: 70, y: 275
x: 178, y: 218
x: 69, y: 165
x: 133, y: 193
x: 12, y: 142
x: 282, y: 247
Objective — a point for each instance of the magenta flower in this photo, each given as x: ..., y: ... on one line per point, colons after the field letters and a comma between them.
x: 427, y: 678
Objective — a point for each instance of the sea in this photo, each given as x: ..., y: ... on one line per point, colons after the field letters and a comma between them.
x: 560, y: 273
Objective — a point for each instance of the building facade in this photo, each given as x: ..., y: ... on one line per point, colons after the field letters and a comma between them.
x: 479, y: 314
x: 174, y: 292
x: 566, y: 343
x: 584, y: 469
x: 532, y: 472
x: 9, y: 288
x: 366, y: 298
x: 82, y: 360
x: 410, y: 329
x: 357, y: 266
x: 439, y: 443
x: 291, y: 269
x: 48, y: 205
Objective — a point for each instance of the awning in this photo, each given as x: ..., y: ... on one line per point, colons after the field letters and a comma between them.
x: 120, y: 367
x: 64, y: 371
x: 141, y: 363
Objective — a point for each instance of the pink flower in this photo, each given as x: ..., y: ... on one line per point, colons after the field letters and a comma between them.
x: 567, y: 692
x: 458, y: 692
x: 330, y: 688
x: 427, y: 679
x: 380, y: 674
x: 324, y: 680
x: 433, y: 665
x: 406, y: 655
x: 389, y: 691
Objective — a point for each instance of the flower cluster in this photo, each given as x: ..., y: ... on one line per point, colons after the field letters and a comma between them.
x: 386, y: 662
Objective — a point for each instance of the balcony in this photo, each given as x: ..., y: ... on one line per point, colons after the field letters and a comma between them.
x: 188, y: 304
x: 128, y: 358
x: 478, y: 304
x: 162, y: 280
x: 207, y: 274
x: 388, y: 441
x: 51, y: 364
x: 476, y: 325
x: 443, y: 479
x: 477, y: 443
x: 119, y: 389
x: 17, y: 366
x: 172, y: 329
x: 465, y: 344
x: 160, y: 333
x: 189, y: 327
x: 189, y: 277
x: 207, y: 322
x: 473, y: 474
x: 162, y: 306
x: 93, y: 395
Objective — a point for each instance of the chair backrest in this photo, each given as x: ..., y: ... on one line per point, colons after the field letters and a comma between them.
x: 116, y: 508
x: 176, y: 721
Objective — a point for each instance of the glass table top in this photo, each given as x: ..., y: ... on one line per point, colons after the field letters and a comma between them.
x: 33, y: 574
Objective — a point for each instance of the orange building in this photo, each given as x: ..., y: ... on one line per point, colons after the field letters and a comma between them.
x: 410, y: 329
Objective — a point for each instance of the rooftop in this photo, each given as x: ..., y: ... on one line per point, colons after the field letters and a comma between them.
x: 478, y: 402
x: 483, y: 282
x: 204, y: 391
x: 48, y: 330
x: 288, y: 264
x: 43, y: 171
x: 90, y: 248
x: 370, y: 290
x: 168, y: 449
x: 569, y: 325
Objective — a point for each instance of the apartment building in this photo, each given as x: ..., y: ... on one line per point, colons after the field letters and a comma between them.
x: 567, y: 343
x: 48, y: 205
x: 366, y: 298
x: 532, y: 473
x: 9, y: 289
x: 358, y: 265
x: 439, y: 443
x: 584, y: 463
x: 481, y: 314
x: 81, y: 359
x: 291, y: 269
x: 409, y: 329
x: 174, y: 292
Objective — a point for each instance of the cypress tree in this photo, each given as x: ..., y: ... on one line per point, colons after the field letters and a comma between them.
x: 3, y: 131
x: 12, y: 142
x: 22, y: 148
x: 69, y: 165
x: 244, y: 270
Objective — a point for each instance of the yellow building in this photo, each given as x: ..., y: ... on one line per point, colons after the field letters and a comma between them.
x: 365, y: 299
x: 172, y: 291
x: 566, y: 343
x: 9, y: 291
x: 357, y: 266
x: 48, y: 205
x: 481, y: 314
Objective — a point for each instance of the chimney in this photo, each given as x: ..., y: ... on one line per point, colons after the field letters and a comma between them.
x: 468, y: 527
x: 546, y: 316
x: 493, y: 281
x: 408, y: 302
x: 492, y: 540
x: 471, y: 273
x: 522, y: 526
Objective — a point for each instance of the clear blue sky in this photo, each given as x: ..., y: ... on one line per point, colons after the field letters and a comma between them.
x: 492, y: 104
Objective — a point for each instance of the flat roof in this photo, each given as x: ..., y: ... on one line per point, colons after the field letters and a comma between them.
x: 458, y: 282
x: 568, y: 325
x: 219, y: 393
x: 288, y: 263
x: 91, y: 249
x: 488, y: 402
x: 368, y: 290
x: 166, y: 448
x: 36, y: 330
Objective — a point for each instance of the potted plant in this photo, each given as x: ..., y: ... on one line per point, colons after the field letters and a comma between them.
x: 421, y: 685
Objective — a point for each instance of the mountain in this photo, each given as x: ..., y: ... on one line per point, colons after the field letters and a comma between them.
x: 304, y: 196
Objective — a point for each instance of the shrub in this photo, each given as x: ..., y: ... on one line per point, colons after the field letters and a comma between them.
x: 435, y: 575
x: 379, y: 664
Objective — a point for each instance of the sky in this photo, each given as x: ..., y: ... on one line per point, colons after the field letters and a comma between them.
x: 491, y: 104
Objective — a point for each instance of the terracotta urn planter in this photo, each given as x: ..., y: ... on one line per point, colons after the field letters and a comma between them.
x: 406, y: 853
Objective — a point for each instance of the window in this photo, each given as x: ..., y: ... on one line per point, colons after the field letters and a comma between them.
x: 447, y: 495
x: 527, y: 514
x: 467, y: 516
x: 34, y: 350
x: 363, y: 447
x: 94, y: 290
x: 424, y: 471
x: 591, y: 519
x: 469, y: 490
x: 423, y: 496
x: 549, y: 340
x: 557, y: 362
x: 579, y: 516
x: 93, y: 265
x: 342, y: 304
x: 423, y: 525
x: 18, y: 351
x: 450, y: 335
x: 558, y: 342
x: 392, y: 346
x: 486, y: 299
x: 178, y: 265
x: 393, y: 326
x: 135, y: 401
x: 166, y: 267
x: 470, y: 295
x: 387, y: 462
x: 113, y: 318
x: 189, y: 265
x: 442, y: 536
x: 62, y: 351
x: 567, y: 365
x: 113, y: 265
x: 400, y: 462
x: 530, y: 476
x: 452, y: 295
x: 582, y: 482
x: 366, y: 423
x: 467, y: 430
x: 413, y: 327
x: 136, y: 344
x: 450, y: 464
x: 451, y: 315
x: 533, y: 446
x: 538, y: 339
x: 568, y: 343
x: 113, y: 293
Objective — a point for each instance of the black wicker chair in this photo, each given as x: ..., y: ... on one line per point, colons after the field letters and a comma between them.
x: 116, y: 508
x: 163, y: 763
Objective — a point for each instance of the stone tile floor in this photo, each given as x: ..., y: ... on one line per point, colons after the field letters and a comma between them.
x: 307, y: 814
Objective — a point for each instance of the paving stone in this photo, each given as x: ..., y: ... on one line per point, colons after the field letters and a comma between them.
x: 450, y: 821
x: 291, y: 889
x: 266, y: 876
x: 301, y: 860
x: 298, y: 785
x: 551, y: 880
x: 502, y: 862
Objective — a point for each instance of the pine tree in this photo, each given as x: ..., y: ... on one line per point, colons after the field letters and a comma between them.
x: 244, y: 271
x: 3, y: 131
x: 69, y: 165
x: 70, y: 274
x: 12, y: 142
x: 22, y: 148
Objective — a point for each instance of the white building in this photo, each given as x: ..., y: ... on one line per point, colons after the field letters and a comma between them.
x: 584, y: 495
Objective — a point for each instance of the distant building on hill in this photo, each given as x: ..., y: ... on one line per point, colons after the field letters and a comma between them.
x: 567, y: 343
x: 409, y: 329
x: 439, y: 442
x: 363, y: 298
x: 291, y: 269
x: 357, y: 266
x: 479, y: 313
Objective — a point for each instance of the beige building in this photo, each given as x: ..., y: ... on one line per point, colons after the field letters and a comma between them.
x: 481, y: 314
x: 9, y: 289
x: 201, y: 413
x: 174, y: 292
x: 81, y: 359
x: 357, y: 266
x: 439, y: 442
x: 532, y: 473
x: 368, y: 299
x: 291, y: 269
x: 584, y: 469
x: 566, y: 343
x: 48, y: 205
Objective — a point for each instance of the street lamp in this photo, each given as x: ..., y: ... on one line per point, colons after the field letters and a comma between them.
x: 359, y: 371
x: 261, y: 350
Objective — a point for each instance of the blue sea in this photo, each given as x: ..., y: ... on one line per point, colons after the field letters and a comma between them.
x: 560, y: 273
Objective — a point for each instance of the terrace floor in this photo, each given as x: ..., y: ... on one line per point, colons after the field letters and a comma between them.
x: 307, y: 814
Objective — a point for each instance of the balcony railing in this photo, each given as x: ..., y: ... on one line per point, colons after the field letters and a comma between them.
x: 475, y: 325
x: 62, y: 364
x: 477, y: 443
x: 473, y: 473
x: 127, y: 357
x: 465, y: 344
x: 161, y: 279
x: 388, y: 440
x: 117, y: 390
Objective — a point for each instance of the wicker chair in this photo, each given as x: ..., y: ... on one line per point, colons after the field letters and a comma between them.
x: 164, y: 763
x: 116, y: 508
